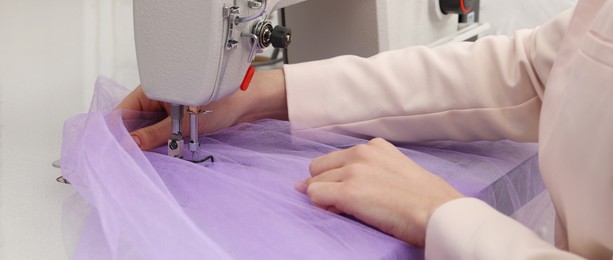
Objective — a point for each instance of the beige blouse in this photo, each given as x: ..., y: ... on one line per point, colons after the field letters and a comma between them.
x: 552, y: 85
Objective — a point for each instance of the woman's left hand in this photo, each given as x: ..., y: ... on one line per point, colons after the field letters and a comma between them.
x: 379, y: 185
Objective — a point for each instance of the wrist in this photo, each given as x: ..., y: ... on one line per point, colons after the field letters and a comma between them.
x: 265, y: 98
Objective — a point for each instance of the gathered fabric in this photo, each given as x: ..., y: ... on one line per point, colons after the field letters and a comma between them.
x: 132, y: 204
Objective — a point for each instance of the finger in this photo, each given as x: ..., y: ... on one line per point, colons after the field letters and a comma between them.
x: 334, y: 210
x: 334, y: 175
x: 137, y: 100
x: 324, y: 194
x: 382, y: 143
x: 327, y: 162
x: 302, y: 186
x: 152, y: 136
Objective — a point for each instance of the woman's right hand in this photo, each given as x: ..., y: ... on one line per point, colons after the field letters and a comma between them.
x: 265, y: 98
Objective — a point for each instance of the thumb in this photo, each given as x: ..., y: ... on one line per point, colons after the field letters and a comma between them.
x: 152, y: 136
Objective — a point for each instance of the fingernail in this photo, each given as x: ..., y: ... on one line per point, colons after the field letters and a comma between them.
x: 137, y: 140
x: 301, y: 186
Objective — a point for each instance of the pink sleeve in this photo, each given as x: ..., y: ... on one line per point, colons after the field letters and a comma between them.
x: 468, y: 228
x: 487, y: 90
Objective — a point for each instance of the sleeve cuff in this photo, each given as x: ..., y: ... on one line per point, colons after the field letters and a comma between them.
x: 468, y: 228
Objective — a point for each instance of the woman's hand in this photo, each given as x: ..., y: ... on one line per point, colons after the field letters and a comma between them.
x: 265, y: 98
x: 379, y: 185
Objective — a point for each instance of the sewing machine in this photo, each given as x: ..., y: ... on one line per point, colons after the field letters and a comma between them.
x: 192, y: 52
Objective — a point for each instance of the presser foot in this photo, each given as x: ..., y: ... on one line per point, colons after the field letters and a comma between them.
x: 194, y: 144
x: 210, y: 157
x: 196, y: 159
x: 175, y: 148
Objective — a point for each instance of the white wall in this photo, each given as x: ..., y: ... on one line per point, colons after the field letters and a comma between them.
x: 50, y: 54
x: 109, y: 41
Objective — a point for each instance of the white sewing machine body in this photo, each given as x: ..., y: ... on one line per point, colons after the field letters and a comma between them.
x: 182, y: 52
x: 182, y: 47
x: 193, y: 52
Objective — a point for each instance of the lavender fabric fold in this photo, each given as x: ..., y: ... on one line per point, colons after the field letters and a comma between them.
x: 146, y: 205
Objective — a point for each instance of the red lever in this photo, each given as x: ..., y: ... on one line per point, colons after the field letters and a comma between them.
x: 247, y: 79
x: 463, y: 7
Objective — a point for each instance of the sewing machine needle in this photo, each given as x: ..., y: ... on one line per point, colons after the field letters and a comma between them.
x: 194, y: 144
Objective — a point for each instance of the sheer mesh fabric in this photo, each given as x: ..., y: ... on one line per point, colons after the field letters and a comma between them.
x: 145, y: 205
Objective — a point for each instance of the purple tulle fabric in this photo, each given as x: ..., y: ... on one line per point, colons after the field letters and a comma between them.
x: 146, y: 205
